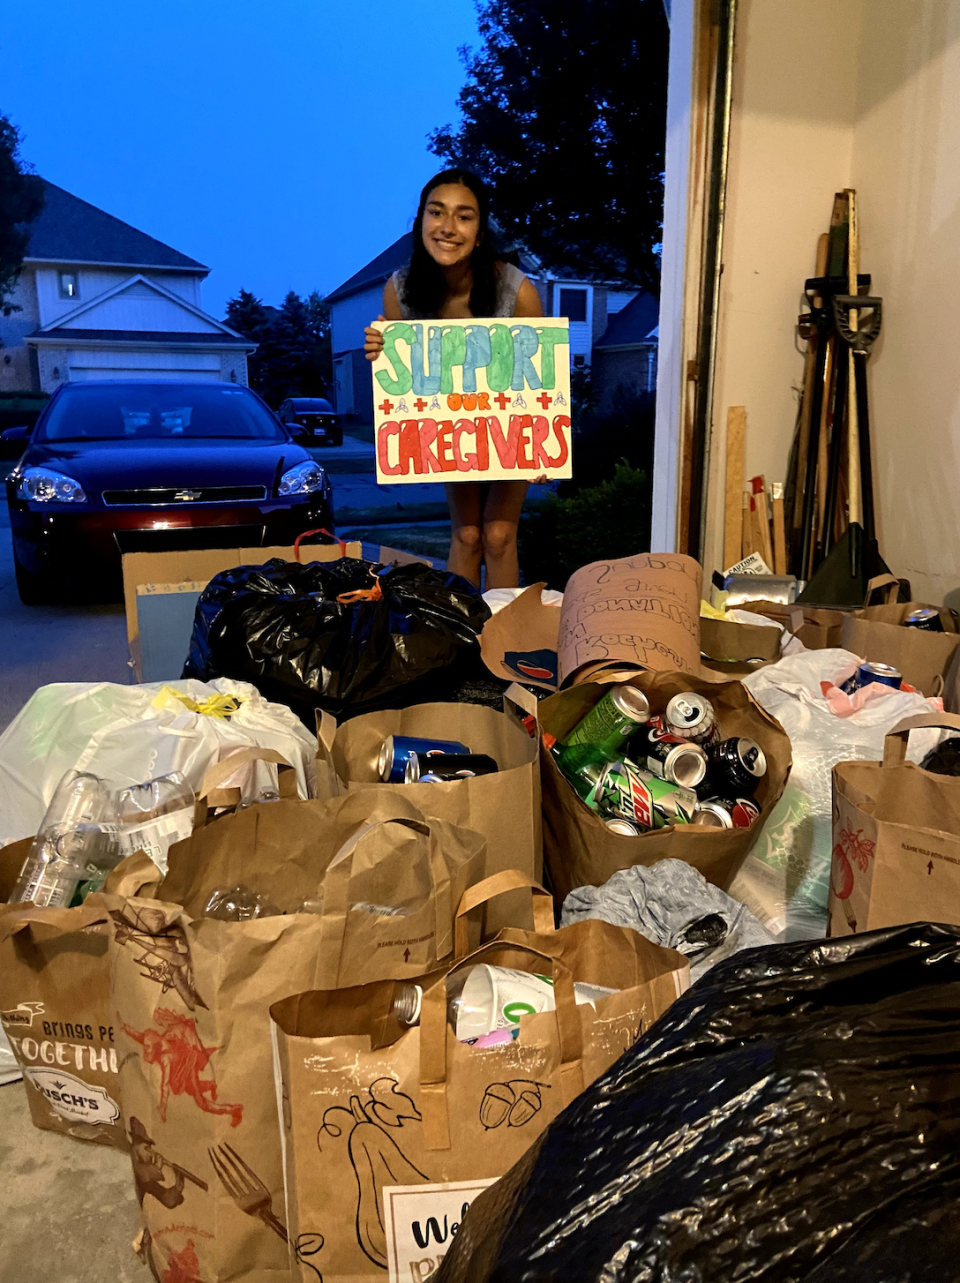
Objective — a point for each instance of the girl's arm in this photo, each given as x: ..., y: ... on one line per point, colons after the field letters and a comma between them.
x: 373, y: 339
x: 528, y: 300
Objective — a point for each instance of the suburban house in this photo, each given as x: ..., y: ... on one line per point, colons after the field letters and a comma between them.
x: 625, y: 354
x: 100, y: 300
x: 589, y: 305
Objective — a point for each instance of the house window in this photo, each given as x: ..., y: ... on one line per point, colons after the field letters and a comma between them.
x: 69, y: 285
x: 573, y: 304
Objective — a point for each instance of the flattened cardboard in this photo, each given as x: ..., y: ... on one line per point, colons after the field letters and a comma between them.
x: 519, y: 643
x: 643, y: 610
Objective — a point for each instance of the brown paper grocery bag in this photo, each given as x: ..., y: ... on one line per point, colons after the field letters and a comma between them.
x: 818, y: 627
x: 389, y: 1133
x: 191, y: 997
x: 505, y: 808
x: 578, y: 847
x: 56, y: 1011
x: 896, y: 836
x: 877, y: 633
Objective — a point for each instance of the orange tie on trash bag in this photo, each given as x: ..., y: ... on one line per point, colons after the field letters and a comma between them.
x: 362, y: 594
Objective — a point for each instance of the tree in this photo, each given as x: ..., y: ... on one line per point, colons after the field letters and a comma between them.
x: 564, y: 114
x: 21, y: 200
x: 294, y: 355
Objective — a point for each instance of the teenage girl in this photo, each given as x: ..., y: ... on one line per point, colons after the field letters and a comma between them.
x: 455, y: 272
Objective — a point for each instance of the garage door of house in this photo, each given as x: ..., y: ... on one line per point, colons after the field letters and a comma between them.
x: 132, y: 364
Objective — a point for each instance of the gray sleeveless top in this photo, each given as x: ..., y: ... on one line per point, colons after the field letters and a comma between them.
x: 509, y: 280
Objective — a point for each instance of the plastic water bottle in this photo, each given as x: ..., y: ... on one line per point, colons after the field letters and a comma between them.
x: 76, y: 844
x: 155, y: 815
x: 239, y: 904
x: 484, y: 999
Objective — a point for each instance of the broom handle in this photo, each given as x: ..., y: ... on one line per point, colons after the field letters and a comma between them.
x: 853, y: 433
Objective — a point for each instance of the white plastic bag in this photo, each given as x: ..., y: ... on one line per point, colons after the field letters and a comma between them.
x: 497, y: 598
x: 131, y: 734
x: 785, y: 880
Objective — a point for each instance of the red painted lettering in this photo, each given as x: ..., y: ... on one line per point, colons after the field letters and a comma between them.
x: 428, y: 434
x: 410, y: 447
x: 483, y: 445
x: 506, y: 447
x: 540, y: 432
x: 523, y: 440
x: 465, y: 462
x: 445, y: 446
x: 561, y: 424
x: 386, y: 430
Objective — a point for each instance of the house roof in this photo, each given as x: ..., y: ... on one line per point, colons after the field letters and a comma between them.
x: 377, y: 270
x: 171, y: 338
x: 70, y: 230
x: 633, y: 324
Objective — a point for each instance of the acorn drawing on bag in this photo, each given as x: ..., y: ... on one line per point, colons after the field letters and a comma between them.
x: 514, y: 1103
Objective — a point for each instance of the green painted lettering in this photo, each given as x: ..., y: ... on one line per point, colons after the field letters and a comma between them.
x: 500, y: 369
x: 550, y: 336
x: 525, y: 344
x: 453, y: 351
x: 402, y: 380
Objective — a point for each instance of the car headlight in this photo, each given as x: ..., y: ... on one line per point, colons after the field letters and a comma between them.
x: 43, y: 485
x: 305, y: 478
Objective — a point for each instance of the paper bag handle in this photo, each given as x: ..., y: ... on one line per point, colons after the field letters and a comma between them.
x: 895, y: 744
x: 85, y: 915
x: 890, y: 582
x: 522, y: 699
x: 133, y: 875
x: 336, y: 888
x: 487, y: 890
x: 433, y: 1040
x: 212, y: 795
x: 326, y: 730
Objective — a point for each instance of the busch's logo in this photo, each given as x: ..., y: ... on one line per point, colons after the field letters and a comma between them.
x: 72, y: 1098
x: 22, y: 1015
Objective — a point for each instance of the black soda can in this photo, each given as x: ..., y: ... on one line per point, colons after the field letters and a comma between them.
x: 447, y: 766
x: 692, y: 717
x: 742, y: 810
x: 736, y: 766
x: 926, y: 618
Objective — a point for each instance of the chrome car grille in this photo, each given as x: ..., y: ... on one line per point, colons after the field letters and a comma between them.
x: 182, y: 496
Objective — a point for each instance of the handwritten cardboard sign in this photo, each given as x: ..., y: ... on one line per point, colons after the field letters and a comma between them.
x: 642, y: 610
x: 479, y: 399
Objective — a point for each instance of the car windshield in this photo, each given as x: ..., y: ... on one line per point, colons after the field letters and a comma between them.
x: 158, y: 412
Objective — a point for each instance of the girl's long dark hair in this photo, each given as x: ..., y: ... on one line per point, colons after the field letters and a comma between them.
x: 425, y: 287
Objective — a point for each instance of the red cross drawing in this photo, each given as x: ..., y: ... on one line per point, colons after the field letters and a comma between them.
x: 544, y: 399
x: 386, y: 407
x: 420, y: 404
x: 502, y: 401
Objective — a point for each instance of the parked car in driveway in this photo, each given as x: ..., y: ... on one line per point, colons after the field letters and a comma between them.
x: 312, y: 420
x: 133, y: 466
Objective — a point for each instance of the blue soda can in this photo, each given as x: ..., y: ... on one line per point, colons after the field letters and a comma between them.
x: 867, y: 673
x: 396, y: 749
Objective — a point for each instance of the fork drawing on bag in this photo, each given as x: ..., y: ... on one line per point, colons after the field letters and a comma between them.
x: 244, y: 1186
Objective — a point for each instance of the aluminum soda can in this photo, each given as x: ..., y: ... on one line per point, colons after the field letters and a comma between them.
x: 602, y: 734
x: 670, y: 756
x: 447, y: 766
x: 713, y: 815
x: 926, y: 618
x: 884, y: 674
x: 742, y: 810
x: 692, y: 717
x: 736, y: 766
x: 625, y: 792
x: 624, y: 828
x: 396, y: 749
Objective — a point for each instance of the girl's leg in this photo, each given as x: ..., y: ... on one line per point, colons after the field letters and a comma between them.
x: 501, y: 516
x: 465, y: 500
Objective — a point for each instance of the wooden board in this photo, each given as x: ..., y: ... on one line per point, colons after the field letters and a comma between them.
x: 733, y: 509
x: 779, y: 532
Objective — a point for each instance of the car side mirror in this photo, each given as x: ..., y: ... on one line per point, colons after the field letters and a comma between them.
x: 15, y: 434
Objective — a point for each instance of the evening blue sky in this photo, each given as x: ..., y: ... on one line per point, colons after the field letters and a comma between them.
x: 281, y: 144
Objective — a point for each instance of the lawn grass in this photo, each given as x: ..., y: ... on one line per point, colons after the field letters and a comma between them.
x: 425, y: 541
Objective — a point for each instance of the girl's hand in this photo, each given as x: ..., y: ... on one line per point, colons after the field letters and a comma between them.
x: 541, y: 480
x: 373, y: 341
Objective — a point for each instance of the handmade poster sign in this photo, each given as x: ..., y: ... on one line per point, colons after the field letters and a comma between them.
x: 478, y: 399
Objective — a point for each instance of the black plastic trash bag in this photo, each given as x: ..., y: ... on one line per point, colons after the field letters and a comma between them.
x: 793, y: 1118
x: 281, y: 627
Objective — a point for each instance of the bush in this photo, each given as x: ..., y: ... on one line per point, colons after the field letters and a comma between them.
x: 598, y: 523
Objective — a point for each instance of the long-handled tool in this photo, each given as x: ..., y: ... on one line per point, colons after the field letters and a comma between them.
x: 860, y: 337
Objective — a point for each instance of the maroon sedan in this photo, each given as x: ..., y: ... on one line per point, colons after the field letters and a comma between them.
x: 136, y: 466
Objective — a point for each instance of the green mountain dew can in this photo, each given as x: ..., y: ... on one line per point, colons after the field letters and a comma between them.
x: 620, y: 790
x: 602, y: 734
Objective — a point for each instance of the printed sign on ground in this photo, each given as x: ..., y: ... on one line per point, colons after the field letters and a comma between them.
x: 478, y: 399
